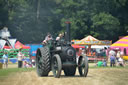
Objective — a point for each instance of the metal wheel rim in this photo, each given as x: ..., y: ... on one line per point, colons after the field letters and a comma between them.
x: 54, y: 66
x: 82, y: 67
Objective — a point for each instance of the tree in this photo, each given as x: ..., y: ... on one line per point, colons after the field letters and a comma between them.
x: 30, y: 20
x: 105, y: 26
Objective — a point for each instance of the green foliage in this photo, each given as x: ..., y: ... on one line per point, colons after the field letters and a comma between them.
x: 30, y: 20
x: 99, y: 18
x: 106, y: 24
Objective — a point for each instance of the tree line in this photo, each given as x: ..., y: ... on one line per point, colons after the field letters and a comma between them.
x: 30, y: 20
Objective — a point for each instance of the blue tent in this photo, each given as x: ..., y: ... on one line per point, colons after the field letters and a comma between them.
x: 33, y: 48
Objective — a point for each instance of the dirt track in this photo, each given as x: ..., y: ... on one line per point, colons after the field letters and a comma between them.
x: 106, y: 76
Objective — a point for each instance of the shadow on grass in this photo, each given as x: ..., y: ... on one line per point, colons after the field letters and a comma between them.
x: 63, y: 76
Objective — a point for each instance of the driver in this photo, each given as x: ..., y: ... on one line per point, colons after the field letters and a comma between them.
x: 47, y: 38
x: 60, y: 36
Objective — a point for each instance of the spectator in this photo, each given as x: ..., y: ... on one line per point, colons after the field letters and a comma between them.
x: 111, y: 52
x: 112, y: 60
x: 121, y: 54
x: 5, y: 58
x: 20, y: 57
x: 33, y: 63
x: 26, y: 64
x: 117, y: 57
x: 99, y: 63
x: 104, y: 63
x: 121, y: 62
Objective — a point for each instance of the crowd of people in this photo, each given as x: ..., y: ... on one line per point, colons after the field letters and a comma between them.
x: 116, y: 58
x: 21, y: 58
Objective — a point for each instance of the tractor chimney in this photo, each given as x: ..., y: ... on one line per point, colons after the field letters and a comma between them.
x: 68, y: 31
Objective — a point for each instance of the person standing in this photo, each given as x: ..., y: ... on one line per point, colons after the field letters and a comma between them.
x: 117, y: 57
x: 33, y: 63
x: 112, y: 57
x: 5, y: 58
x: 104, y: 63
x: 112, y: 60
x: 20, y: 57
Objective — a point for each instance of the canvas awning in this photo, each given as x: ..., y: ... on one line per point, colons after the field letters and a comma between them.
x: 89, y: 40
x: 19, y: 45
x: 121, y: 43
x: 10, y: 43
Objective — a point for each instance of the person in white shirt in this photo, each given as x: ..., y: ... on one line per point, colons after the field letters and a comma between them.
x: 47, y: 38
x: 121, y: 61
x: 117, y: 57
x: 20, y: 57
x: 33, y: 63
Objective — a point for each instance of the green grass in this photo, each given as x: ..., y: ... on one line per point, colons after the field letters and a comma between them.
x: 94, y: 67
x: 6, y: 72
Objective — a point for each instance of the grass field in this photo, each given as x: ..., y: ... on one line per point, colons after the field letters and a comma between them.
x: 96, y: 76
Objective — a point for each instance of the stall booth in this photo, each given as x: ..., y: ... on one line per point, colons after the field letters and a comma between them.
x: 12, y: 47
x: 122, y: 46
x: 90, y: 41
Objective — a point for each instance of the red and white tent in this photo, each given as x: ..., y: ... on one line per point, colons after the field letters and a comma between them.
x: 89, y: 38
x: 19, y: 45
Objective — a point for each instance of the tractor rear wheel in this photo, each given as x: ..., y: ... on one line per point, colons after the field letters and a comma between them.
x: 43, y: 61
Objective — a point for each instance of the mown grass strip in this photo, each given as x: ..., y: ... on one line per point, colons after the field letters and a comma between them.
x: 6, y: 72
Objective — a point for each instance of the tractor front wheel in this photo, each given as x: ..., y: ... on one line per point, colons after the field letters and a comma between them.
x: 83, y: 66
x: 56, y: 66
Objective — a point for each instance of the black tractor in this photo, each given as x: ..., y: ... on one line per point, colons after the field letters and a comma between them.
x: 59, y: 55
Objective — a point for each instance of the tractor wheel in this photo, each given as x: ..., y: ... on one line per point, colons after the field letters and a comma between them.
x: 70, y: 71
x: 43, y: 61
x: 56, y: 66
x: 83, y: 66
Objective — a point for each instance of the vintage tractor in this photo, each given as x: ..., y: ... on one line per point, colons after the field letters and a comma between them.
x: 60, y: 55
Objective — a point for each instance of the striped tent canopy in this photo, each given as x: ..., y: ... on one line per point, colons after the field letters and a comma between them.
x: 122, y: 43
x: 89, y: 38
